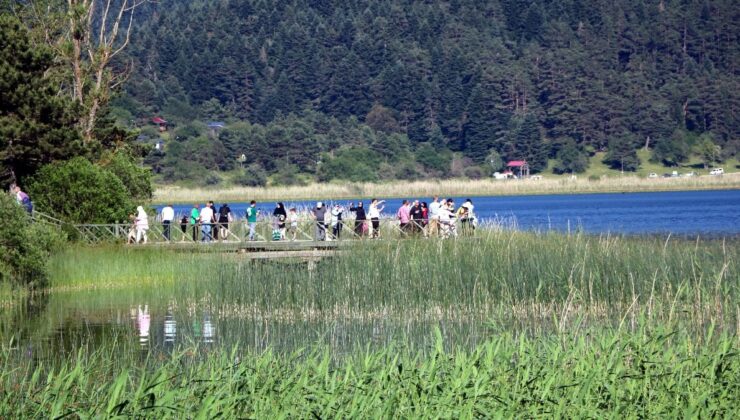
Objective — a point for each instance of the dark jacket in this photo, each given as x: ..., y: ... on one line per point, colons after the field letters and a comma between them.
x: 359, y: 212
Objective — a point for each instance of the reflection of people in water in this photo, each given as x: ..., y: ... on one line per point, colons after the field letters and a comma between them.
x: 143, y: 322
x: 209, y: 330
x: 170, y: 327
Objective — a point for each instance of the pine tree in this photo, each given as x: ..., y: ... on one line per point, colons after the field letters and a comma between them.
x: 35, y: 122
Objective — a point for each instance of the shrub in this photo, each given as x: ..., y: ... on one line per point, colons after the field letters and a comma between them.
x: 137, y: 180
x: 80, y: 192
x: 212, y: 179
x: 474, y: 172
x: 288, y: 175
x: 252, y: 176
x: 432, y: 159
x: 570, y: 159
x: 24, y: 247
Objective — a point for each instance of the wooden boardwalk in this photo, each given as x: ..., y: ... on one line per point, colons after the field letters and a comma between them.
x: 237, y: 239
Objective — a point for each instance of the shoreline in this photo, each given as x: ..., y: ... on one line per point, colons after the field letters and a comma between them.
x: 171, y: 194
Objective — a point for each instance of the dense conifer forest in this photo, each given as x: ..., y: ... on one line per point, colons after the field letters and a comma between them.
x: 400, y: 89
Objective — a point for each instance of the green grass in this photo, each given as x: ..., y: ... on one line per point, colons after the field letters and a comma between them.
x: 597, y: 168
x: 507, y: 275
x: 564, y: 325
x: 651, y: 373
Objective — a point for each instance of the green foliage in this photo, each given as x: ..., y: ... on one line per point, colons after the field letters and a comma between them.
x: 433, y: 159
x: 81, y: 192
x: 622, y: 154
x: 24, y: 246
x: 391, y: 75
x: 287, y: 175
x: 709, y: 152
x: 524, y: 142
x: 252, y: 176
x: 136, y: 179
x: 36, y: 124
x: 570, y: 159
x: 495, y: 161
x: 672, y: 151
x: 353, y: 164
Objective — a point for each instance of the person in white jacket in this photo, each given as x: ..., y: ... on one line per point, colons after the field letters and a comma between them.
x: 142, y: 224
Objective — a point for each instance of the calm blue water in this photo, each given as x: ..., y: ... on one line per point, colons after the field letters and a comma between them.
x: 685, y: 212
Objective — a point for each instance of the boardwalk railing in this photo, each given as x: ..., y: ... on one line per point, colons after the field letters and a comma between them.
x: 263, y: 231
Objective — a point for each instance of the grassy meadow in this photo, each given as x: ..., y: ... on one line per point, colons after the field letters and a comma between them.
x: 503, y: 324
x: 449, y: 187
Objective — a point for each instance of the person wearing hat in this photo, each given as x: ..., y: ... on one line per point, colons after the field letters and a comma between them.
x: 319, y: 213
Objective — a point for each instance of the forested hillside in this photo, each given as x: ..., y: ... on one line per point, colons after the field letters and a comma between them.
x: 399, y: 88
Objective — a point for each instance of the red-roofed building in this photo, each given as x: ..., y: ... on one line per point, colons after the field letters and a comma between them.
x: 161, y: 122
x: 519, y: 166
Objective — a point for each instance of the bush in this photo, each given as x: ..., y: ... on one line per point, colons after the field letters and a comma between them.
x: 24, y: 247
x: 288, y: 175
x: 252, y: 176
x: 570, y: 159
x: 211, y: 179
x: 432, y: 159
x: 356, y: 164
x: 137, y: 180
x: 79, y: 192
x: 474, y: 172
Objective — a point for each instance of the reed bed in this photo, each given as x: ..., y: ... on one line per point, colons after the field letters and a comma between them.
x: 448, y: 187
x: 500, y: 275
x: 499, y: 325
x: 651, y: 373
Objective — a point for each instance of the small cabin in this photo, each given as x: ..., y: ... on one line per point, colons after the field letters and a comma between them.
x: 519, y: 167
x: 161, y: 122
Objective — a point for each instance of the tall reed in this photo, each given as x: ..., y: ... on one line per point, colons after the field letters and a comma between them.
x: 649, y: 373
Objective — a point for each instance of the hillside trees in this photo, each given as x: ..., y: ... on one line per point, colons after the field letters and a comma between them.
x: 451, y: 74
x: 35, y: 123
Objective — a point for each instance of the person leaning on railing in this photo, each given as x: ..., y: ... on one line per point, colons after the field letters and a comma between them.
x: 168, y: 215
x: 194, y: 220
x: 360, y: 217
x: 252, y: 219
x: 376, y: 207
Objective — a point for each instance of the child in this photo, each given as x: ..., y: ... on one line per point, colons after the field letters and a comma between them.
x: 131, y: 237
x: 293, y: 218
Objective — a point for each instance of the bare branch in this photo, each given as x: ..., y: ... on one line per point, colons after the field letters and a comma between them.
x: 128, y: 35
x: 101, y: 36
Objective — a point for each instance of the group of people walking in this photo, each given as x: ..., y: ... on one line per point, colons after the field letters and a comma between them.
x: 439, y: 218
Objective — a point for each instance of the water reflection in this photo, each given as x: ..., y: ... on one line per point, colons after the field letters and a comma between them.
x: 170, y: 327
x: 203, y: 327
x: 143, y: 324
x: 209, y: 330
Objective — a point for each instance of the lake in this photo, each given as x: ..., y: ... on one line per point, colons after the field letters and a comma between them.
x: 714, y: 213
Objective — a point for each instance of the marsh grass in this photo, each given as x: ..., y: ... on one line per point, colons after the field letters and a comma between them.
x: 500, y: 276
x: 450, y: 187
x: 648, y: 373
x: 574, y: 326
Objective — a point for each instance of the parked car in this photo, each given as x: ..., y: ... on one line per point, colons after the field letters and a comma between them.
x: 717, y: 171
x: 652, y: 175
x: 667, y: 175
x: 689, y: 174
